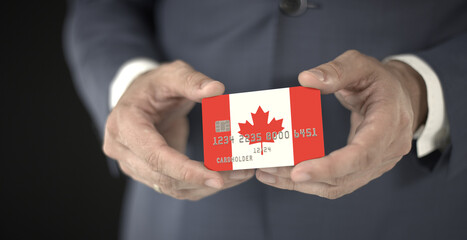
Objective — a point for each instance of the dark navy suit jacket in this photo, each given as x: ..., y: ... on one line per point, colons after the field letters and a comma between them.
x: 251, y: 45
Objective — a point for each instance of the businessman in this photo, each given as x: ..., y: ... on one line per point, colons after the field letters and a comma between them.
x: 393, y: 114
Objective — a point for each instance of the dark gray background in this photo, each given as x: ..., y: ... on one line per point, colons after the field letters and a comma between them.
x: 54, y: 180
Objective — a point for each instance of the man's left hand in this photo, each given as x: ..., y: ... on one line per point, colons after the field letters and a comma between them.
x: 387, y: 104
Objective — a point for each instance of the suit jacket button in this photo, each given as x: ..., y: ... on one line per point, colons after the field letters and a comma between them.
x: 295, y: 7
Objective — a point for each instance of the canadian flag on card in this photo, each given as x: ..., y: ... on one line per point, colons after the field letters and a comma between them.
x: 270, y: 128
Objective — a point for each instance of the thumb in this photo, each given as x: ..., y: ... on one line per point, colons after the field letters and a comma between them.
x: 193, y: 85
x: 342, y: 72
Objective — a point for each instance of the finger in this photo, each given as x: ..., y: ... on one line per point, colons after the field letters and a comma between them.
x: 237, y: 175
x: 339, y: 73
x: 129, y: 163
x: 183, y: 190
x: 315, y: 188
x: 367, y: 149
x: 137, y: 169
x: 337, y: 164
x: 191, y: 84
x: 324, y: 190
x: 199, y: 192
x: 272, y: 180
x: 363, y: 177
x: 131, y: 166
x: 347, y: 160
x: 147, y: 144
x: 278, y: 171
x: 231, y: 178
x: 202, y: 192
x: 133, y: 174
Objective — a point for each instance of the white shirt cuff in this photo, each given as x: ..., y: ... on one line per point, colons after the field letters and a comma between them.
x: 434, y: 134
x: 125, y: 76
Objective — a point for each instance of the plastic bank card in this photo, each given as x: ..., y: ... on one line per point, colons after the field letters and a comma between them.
x: 270, y: 128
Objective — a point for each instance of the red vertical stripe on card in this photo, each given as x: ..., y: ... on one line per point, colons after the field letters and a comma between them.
x: 307, y: 125
x: 217, y: 146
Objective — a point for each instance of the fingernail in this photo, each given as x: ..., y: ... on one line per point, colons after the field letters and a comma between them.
x: 213, y: 183
x: 318, y: 74
x: 267, y: 178
x: 269, y: 170
x: 238, y: 175
x: 302, y: 177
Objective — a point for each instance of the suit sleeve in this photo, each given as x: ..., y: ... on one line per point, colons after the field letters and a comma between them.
x: 449, y: 61
x: 99, y: 37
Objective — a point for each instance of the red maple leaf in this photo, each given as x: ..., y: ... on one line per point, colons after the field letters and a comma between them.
x: 260, y: 129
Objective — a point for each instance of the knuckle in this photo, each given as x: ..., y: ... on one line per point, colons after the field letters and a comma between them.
x: 107, y: 148
x: 165, y: 183
x: 194, y: 198
x: 336, y: 66
x: 193, y: 80
x: 179, y: 63
x: 290, y: 185
x: 406, y: 118
x: 185, y: 174
x: 175, y: 68
x: 125, y: 169
x: 372, y: 119
x: 375, y: 62
x: 190, y: 79
x: 406, y: 147
x: 322, y: 192
x: 365, y: 160
x: 361, y: 58
x: 331, y: 171
x: 332, y: 194
x: 353, y: 53
x: 111, y: 125
x: 179, y: 194
x: 153, y: 159
x: 340, y: 181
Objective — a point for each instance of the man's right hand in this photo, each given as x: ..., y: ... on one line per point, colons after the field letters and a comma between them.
x: 147, y: 132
